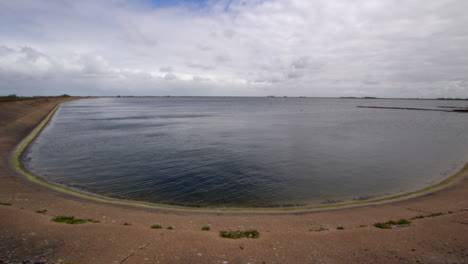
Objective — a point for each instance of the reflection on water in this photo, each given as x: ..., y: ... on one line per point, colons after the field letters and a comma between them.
x: 249, y: 152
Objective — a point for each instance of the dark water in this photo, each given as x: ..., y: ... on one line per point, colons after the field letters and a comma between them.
x: 249, y: 152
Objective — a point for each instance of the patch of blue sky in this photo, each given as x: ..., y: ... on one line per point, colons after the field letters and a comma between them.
x: 198, y: 4
x: 170, y: 3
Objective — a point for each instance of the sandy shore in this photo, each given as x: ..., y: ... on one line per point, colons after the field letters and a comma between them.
x: 284, y: 238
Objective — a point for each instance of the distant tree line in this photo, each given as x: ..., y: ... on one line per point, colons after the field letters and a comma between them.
x: 14, y: 97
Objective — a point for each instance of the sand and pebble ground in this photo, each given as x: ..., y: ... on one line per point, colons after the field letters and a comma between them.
x: 124, y: 234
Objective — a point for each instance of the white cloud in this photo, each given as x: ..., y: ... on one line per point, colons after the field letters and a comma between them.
x: 263, y: 47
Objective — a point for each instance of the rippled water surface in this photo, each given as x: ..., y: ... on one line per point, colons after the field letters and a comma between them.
x: 249, y: 152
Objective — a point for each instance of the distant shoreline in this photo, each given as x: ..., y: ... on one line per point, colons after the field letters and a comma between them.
x: 19, y: 98
x: 23, y: 146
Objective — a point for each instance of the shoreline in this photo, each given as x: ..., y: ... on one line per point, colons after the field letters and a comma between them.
x: 16, y: 159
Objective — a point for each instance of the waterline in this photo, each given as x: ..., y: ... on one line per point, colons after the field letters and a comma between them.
x: 19, y: 152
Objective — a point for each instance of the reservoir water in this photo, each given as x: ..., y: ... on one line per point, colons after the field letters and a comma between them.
x: 249, y: 152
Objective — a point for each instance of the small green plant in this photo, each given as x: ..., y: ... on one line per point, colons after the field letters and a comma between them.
x: 5, y: 204
x: 127, y: 224
x: 340, y: 228
x: 205, y: 228
x: 170, y: 227
x: 393, y: 224
x: 430, y: 215
x: 72, y: 220
x: 240, y: 234
x: 41, y: 211
x: 362, y: 226
x: 435, y: 214
x: 156, y: 227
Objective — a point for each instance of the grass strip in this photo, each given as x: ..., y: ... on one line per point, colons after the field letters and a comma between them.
x: 240, y: 234
x: 72, y: 220
x: 430, y: 215
x: 393, y: 224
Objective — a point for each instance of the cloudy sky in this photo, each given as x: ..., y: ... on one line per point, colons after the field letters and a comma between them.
x: 385, y: 48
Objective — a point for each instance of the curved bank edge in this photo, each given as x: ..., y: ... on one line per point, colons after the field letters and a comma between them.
x: 18, y: 153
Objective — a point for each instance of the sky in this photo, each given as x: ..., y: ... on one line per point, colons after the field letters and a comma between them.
x: 326, y: 48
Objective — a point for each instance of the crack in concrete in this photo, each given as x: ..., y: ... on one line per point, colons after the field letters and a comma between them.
x: 416, y: 210
x: 134, y: 252
x: 458, y: 222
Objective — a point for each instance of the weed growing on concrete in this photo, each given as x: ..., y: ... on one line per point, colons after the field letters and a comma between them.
x: 393, y: 224
x: 72, y: 220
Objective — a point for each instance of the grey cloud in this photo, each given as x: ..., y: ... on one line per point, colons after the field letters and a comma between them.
x: 200, y: 79
x: 32, y: 54
x: 170, y: 77
x: 200, y: 66
x: 267, y: 80
x: 222, y: 58
x: 370, y: 82
x: 229, y: 33
x: 135, y: 36
x: 204, y: 47
x: 26, y: 63
x: 4, y: 50
x: 370, y: 79
x: 166, y: 69
x: 300, y: 63
x: 93, y: 65
x: 294, y: 75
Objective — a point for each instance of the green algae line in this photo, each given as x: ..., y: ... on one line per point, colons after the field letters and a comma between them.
x: 25, y: 143
x: 17, y: 155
